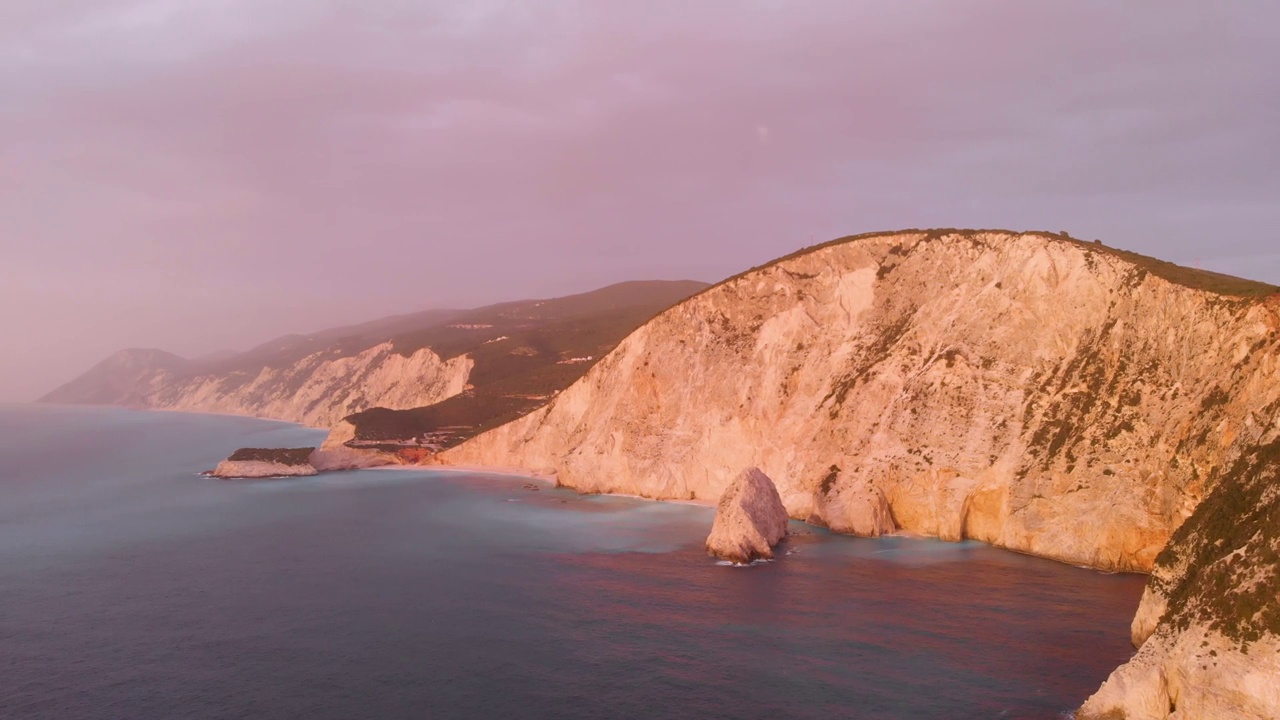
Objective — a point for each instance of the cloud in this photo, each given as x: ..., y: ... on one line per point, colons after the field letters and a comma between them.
x: 219, y: 171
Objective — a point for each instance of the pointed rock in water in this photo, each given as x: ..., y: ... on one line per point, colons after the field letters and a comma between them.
x: 750, y: 519
x: 854, y: 505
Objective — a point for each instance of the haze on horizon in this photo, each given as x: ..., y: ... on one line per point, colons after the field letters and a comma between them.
x: 201, y: 175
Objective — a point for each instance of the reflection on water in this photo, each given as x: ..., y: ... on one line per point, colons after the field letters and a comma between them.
x: 131, y: 588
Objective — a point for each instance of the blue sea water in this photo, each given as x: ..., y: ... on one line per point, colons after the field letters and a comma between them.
x: 132, y: 588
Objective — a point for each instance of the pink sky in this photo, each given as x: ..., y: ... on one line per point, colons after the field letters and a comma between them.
x: 200, y: 175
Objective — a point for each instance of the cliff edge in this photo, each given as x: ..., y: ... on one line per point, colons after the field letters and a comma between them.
x: 989, y: 385
x: 1209, y: 624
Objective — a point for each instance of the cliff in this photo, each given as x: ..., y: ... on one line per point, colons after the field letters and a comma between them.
x: 320, y: 389
x: 989, y: 385
x: 1209, y: 623
x: 496, y: 362
x: 1032, y: 391
x: 316, y: 389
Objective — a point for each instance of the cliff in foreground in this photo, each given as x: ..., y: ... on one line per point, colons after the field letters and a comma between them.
x: 1209, y: 623
x: 1025, y: 390
x: 1038, y: 393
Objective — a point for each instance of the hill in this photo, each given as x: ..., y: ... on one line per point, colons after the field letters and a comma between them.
x: 401, y: 362
x: 1028, y: 390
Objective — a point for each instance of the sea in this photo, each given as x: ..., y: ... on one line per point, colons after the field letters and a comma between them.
x: 131, y: 587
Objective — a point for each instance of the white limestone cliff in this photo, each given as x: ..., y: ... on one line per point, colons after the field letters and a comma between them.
x: 853, y: 505
x: 988, y: 385
x: 750, y: 519
x: 320, y: 389
x: 1036, y: 393
x: 335, y: 453
x: 1194, y: 675
x: 1209, y: 623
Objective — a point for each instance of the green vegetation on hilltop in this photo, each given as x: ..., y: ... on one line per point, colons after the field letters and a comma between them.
x: 284, y: 456
x: 1193, y: 278
x: 1230, y: 547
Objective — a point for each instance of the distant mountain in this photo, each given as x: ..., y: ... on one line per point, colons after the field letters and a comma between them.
x: 122, y: 379
x: 401, y: 362
x: 348, y: 339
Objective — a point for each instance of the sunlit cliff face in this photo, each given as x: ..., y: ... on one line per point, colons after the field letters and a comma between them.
x: 205, y: 176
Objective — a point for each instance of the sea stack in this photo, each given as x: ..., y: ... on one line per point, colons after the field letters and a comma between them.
x: 750, y: 519
x: 266, y: 462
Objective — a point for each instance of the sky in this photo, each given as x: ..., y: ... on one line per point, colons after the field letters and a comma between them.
x: 204, y: 175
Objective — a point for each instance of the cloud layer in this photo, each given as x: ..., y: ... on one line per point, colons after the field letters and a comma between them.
x: 199, y: 175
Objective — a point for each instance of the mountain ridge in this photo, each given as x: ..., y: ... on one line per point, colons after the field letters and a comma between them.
x: 319, y: 378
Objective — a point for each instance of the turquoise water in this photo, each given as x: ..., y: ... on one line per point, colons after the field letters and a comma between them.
x: 130, y: 587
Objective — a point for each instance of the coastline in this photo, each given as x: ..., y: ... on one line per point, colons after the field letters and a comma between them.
x: 548, y: 480
x: 507, y: 471
x: 124, y: 408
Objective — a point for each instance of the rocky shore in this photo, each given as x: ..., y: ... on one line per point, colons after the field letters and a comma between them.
x: 247, y: 463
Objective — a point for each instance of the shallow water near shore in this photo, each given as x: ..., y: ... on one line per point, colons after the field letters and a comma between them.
x: 130, y: 587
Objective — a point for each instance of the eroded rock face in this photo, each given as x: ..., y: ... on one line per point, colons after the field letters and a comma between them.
x: 995, y: 386
x: 245, y: 469
x: 1194, y: 675
x: 750, y: 519
x: 320, y: 390
x: 853, y: 505
x: 336, y: 454
x: 1209, y: 623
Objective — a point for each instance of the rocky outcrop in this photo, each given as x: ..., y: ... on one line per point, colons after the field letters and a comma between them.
x: 266, y: 463
x: 750, y: 519
x: 1209, y: 623
x: 336, y: 453
x: 322, y: 388
x: 1193, y: 675
x: 990, y: 385
x: 851, y: 504
x: 241, y: 470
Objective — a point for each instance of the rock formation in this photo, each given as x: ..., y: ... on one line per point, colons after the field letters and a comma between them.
x: 1051, y: 396
x: 750, y: 519
x: 1209, y: 623
x: 852, y: 504
x: 266, y: 463
x: 320, y: 389
x: 508, y: 358
x: 336, y: 454
x: 317, y: 390
x: 990, y: 385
